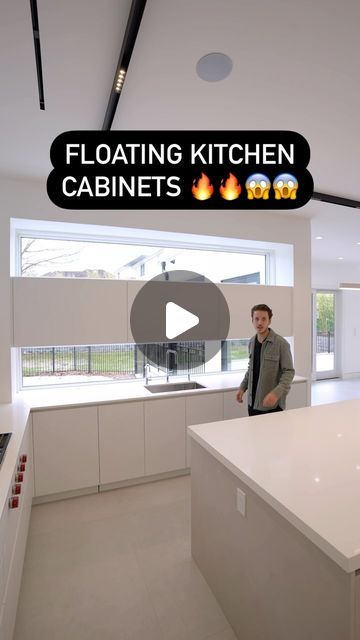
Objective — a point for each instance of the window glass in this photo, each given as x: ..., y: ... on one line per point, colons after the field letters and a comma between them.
x: 56, y: 258
x: 42, y: 366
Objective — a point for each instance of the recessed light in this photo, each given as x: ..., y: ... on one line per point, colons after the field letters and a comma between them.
x: 358, y: 243
x: 340, y: 258
x: 319, y: 237
x: 214, y: 67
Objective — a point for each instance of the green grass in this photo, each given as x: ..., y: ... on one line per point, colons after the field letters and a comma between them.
x: 99, y: 363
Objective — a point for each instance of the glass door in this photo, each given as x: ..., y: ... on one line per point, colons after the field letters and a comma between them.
x: 325, y: 353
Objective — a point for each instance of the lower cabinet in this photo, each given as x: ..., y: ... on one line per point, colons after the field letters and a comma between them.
x: 233, y: 408
x: 121, y: 442
x: 66, y: 450
x: 14, y: 525
x: 201, y: 409
x: 84, y: 447
x: 164, y: 435
x: 298, y: 396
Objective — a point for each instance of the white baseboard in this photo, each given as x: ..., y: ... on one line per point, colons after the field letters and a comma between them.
x: 351, y: 376
x: 52, y: 497
x: 144, y: 479
x: 65, y: 495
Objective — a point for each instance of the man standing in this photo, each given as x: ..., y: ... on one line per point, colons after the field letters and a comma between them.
x: 270, y: 371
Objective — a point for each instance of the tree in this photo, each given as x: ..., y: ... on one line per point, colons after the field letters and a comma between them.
x: 325, y: 316
x: 32, y: 256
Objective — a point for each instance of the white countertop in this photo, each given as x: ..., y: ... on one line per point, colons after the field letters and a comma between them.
x: 127, y: 390
x: 305, y: 463
x: 13, y: 417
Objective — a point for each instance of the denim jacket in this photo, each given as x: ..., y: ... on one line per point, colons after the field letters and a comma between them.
x: 276, y: 371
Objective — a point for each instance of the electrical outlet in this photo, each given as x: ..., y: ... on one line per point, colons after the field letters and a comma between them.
x: 241, y: 502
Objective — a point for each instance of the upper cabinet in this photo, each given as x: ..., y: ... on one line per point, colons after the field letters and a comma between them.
x: 241, y: 298
x: 61, y: 311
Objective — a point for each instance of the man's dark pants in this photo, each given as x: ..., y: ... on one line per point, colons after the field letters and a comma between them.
x: 256, y: 412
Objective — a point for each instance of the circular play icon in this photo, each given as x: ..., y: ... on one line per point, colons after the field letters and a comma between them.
x: 179, y: 311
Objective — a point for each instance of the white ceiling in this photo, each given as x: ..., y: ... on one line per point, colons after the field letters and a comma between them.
x: 295, y: 66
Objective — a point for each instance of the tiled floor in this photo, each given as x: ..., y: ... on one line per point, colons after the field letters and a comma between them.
x: 325, y: 391
x: 116, y: 566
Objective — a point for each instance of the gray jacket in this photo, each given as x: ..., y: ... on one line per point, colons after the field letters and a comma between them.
x: 276, y: 370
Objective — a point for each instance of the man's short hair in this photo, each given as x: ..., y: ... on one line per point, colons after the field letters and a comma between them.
x: 261, y: 307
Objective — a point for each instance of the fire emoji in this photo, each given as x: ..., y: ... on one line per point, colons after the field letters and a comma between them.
x: 204, y: 189
x: 231, y: 189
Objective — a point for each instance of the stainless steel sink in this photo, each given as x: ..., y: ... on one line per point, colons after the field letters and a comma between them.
x: 173, y: 386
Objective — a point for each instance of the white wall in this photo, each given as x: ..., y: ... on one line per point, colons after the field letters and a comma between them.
x: 28, y: 199
x: 328, y: 275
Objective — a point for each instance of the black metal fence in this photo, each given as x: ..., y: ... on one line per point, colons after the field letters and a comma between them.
x: 325, y: 342
x: 120, y: 360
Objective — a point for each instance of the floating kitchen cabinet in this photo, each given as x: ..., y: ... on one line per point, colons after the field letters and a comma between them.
x: 164, y: 435
x: 245, y: 296
x: 200, y: 409
x: 65, y: 450
x: 121, y: 441
x: 98, y: 311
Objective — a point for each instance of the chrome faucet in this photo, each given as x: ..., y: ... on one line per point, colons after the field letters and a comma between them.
x: 167, y: 362
x: 147, y: 372
x: 188, y: 363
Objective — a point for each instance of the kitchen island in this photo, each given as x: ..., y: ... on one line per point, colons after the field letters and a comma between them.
x: 276, y: 521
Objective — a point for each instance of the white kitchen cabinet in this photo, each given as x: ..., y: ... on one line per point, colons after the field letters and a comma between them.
x: 297, y: 396
x: 232, y: 408
x: 164, y: 435
x: 241, y: 298
x: 121, y: 441
x: 14, y: 525
x: 98, y: 311
x: 65, y: 450
x: 200, y: 409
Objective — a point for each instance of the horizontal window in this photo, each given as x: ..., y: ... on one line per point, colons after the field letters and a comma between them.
x: 57, y: 258
x: 42, y: 366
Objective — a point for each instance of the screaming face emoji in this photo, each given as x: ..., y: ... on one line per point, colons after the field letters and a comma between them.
x: 285, y: 186
x: 257, y: 186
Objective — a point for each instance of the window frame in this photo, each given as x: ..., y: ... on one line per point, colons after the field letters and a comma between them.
x: 23, y: 232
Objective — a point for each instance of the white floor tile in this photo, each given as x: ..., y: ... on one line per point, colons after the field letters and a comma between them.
x: 327, y: 391
x: 116, y: 566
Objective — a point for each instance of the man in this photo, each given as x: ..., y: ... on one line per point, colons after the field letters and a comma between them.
x: 270, y: 371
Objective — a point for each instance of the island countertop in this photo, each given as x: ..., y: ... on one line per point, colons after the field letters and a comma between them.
x: 305, y: 463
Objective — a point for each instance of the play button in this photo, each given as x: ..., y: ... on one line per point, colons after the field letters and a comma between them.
x: 182, y: 311
x: 178, y: 320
